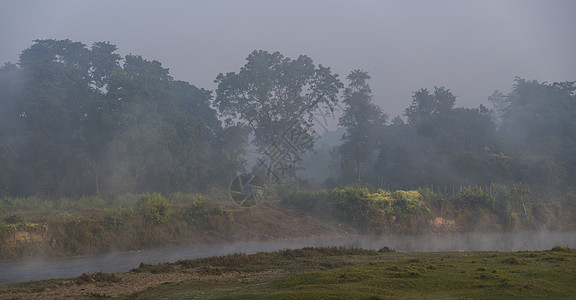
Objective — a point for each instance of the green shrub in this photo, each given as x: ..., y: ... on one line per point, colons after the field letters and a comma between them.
x: 13, y: 219
x: 10, y: 204
x: 199, y: 209
x: 379, y: 211
x: 154, y: 208
x: 358, y: 206
x: 474, y: 199
x: 117, y: 217
x: 409, y: 203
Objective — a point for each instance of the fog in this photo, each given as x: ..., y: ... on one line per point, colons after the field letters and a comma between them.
x: 471, y: 47
x: 37, y: 269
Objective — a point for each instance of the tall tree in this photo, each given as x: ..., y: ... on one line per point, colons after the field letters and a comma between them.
x: 539, y: 123
x: 52, y: 111
x: 74, y: 121
x: 11, y: 88
x: 426, y: 105
x: 274, y: 95
x: 363, y: 120
x: 441, y: 145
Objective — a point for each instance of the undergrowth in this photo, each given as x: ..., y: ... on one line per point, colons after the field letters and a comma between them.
x: 91, y: 225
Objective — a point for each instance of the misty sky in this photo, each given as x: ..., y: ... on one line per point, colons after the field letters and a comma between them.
x: 471, y: 47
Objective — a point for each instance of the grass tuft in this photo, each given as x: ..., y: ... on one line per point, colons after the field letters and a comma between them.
x: 512, y: 260
x: 97, y: 277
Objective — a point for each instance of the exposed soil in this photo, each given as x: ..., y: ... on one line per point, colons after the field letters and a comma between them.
x: 129, y: 283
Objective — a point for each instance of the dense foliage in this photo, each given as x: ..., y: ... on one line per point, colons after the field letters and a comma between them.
x: 528, y: 137
x: 382, y: 211
x: 278, y: 97
x: 84, y: 121
x: 364, y: 123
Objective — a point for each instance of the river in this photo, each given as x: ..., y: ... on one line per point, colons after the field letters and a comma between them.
x: 37, y: 269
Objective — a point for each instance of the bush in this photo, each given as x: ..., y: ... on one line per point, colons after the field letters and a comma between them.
x: 200, y: 209
x: 304, y: 198
x: 154, y: 208
x: 409, y: 203
x: 13, y: 219
x: 359, y: 206
x: 378, y: 211
x: 474, y: 199
x: 117, y: 217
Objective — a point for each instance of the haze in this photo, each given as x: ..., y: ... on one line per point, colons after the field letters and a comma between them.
x: 102, y: 152
x: 472, y: 48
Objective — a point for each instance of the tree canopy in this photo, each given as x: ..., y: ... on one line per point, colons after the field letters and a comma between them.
x: 85, y: 121
x: 277, y: 96
x: 364, y: 122
x: 78, y: 120
x: 528, y: 136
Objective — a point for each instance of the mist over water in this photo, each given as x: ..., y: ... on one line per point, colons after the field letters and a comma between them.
x: 13, y: 272
x: 95, y: 125
x: 507, y: 241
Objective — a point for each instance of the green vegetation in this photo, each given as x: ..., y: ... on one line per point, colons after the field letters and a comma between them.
x: 277, y: 96
x: 495, y: 208
x: 365, y: 124
x: 65, y: 227
x: 84, y: 123
x: 339, y: 273
x: 523, y: 139
x: 382, y: 211
x: 103, y: 153
x: 355, y: 274
x: 92, y: 225
x: 154, y: 208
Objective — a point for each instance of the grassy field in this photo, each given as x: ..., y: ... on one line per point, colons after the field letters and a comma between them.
x: 335, y: 273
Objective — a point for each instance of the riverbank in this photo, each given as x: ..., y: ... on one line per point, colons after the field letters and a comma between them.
x: 344, y: 273
x: 93, y: 232
x: 39, y: 269
x: 35, y: 229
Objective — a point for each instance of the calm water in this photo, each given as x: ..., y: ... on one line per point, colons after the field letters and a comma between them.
x: 12, y: 272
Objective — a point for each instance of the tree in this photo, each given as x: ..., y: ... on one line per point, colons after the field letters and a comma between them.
x: 139, y: 116
x: 539, y: 123
x: 52, y: 113
x: 499, y: 102
x: 426, y: 106
x: 11, y: 88
x: 104, y: 63
x: 441, y: 145
x: 213, y: 154
x: 363, y: 120
x: 275, y: 95
x: 74, y: 121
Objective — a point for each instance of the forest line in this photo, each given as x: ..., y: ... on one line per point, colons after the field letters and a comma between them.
x: 83, y: 121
